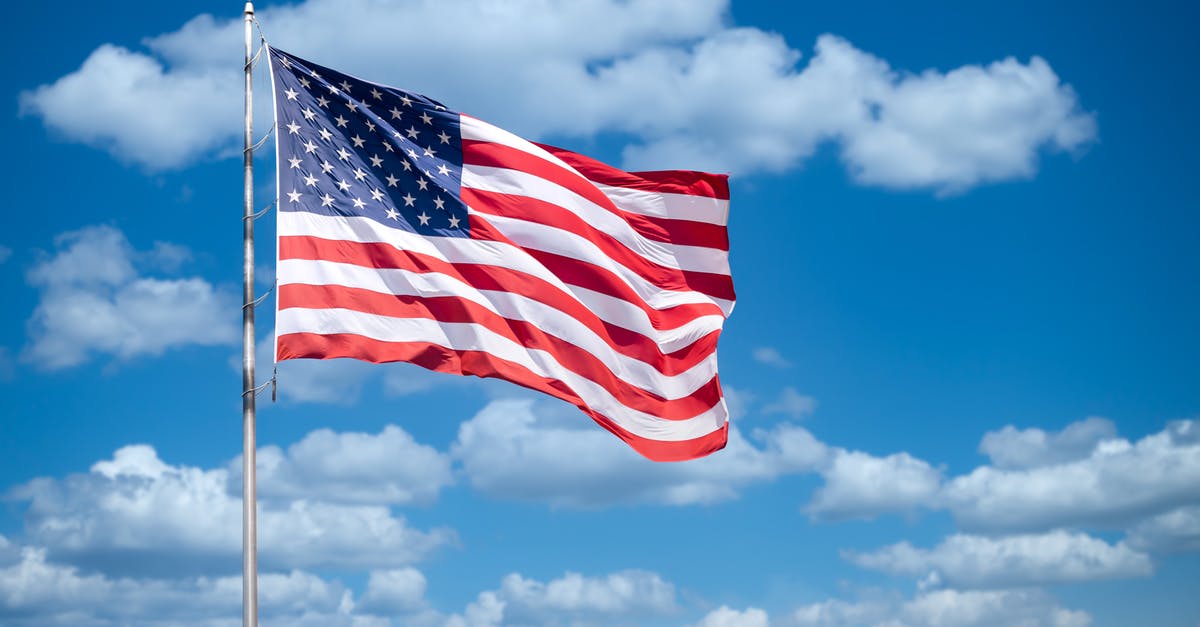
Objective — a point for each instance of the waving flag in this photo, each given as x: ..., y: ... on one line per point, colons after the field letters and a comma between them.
x: 410, y: 232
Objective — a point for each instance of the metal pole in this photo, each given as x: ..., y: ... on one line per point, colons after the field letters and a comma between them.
x: 249, y: 500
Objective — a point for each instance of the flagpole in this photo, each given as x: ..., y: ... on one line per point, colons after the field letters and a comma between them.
x: 249, y: 499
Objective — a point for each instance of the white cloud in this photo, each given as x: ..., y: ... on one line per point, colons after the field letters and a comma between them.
x: 93, y: 301
x: 945, y: 608
x: 522, y: 450
x: 571, y: 599
x: 791, y: 404
x: 36, y: 591
x: 1117, y: 482
x: 1012, y: 448
x: 5, y: 253
x: 137, y: 514
x: 662, y: 72
x: 966, y: 561
x: 859, y: 485
x: 1174, y: 531
x: 388, y: 468
x: 771, y: 357
x: 393, y: 592
x: 725, y: 616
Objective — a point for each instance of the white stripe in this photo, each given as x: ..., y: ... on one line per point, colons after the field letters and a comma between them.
x: 668, y: 205
x: 467, y: 336
x: 463, y: 250
x: 517, y: 182
x: 663, y: 205
x: 633, y: 372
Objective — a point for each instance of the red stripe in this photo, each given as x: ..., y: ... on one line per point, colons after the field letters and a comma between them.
x: 481, y: 364
x: 661, y: 181
x: 457, y: 310
x: 550, y: 214
x: 588, y: 275
x: 672, y: 231
x: 488, y: 277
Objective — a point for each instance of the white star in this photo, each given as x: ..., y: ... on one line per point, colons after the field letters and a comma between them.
x: 358, y: 204
x: 376, y: 161
x: 321, y: 100
x: 295, y: 161
x: 310, y: 180
x: 352, y: 106
x: 424, y: 219
x: 392, y: 180
x: 422, y: 183
x: 388, y: 147
x: 304, y: 82
x: 310, y: 147
x: 346, y: 86
x: 294, y: 195
x: 408, y: 200
x: 439, y: 203
x: 325, y: 134
x: 359, y: 174
x: 444, y: 137
x: 453, y: 222
x: 443, y: 170
x: 375, y: 94
x: 370, y: 126
x: 291, y: 93
x: 333, y: 89
x: 396, y: 112
x: 285, y: 63
x: 358, y: 141
x: 376, y: 195
x: 293, y: 128
x: 407, y: 166
x: 343, y: 185
x: 429, y: 152
x: 341, y: 121
x: 316, y: 76
x: 308, y: 113
x: 426, y: 119
x: 393, y: 214
x: 412, y: 153
x: 326, y: 167
x: 406, y: 100
x: 397, y: 135
x: 343, y: 153
x: 327, y: 201
x: 412, y: 132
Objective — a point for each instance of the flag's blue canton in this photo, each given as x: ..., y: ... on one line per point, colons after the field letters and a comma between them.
x: 352, y: 148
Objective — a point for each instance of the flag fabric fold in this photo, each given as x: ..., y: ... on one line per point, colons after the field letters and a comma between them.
x: 410, y: 232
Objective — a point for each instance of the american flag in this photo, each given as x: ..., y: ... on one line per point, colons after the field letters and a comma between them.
x: 410, y: 232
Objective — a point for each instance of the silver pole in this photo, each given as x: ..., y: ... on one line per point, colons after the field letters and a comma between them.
x: 249, y: 500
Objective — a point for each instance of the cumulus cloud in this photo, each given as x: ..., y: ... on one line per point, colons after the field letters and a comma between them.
x: 860, y: 485
x: 725, y: 616
x: 1175, y: 531
x: 36, y: 591
x: 967, y: 561
x: 388, y: 468
x: 571, y: 599
x: 93, y: 301
x: 393, y: 592
x: 945, y: 608
x: 138, y: 514
x: 523, y: 450
x: 1012, y: 448
x: 691, y: 89
x: 1116, y: 483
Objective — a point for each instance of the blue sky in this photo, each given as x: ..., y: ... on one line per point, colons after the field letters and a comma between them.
x: 962, y: 365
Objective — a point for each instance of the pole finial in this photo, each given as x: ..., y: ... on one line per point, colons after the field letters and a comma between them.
x: 249, y: 8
